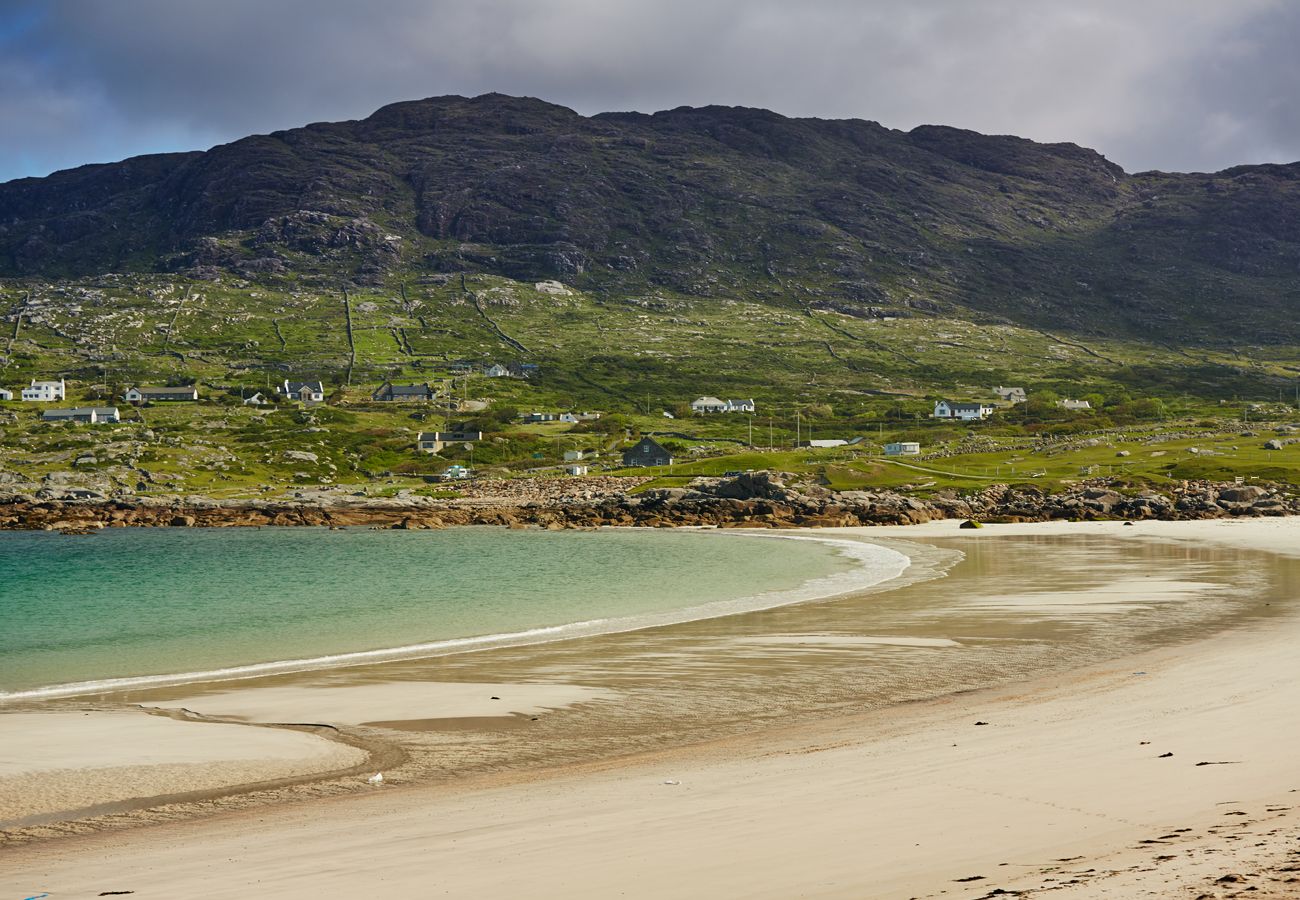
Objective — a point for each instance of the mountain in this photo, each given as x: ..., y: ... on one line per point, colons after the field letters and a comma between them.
x: 722, y: 202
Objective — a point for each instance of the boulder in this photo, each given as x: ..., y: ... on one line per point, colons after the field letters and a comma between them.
x: 1247, y: 493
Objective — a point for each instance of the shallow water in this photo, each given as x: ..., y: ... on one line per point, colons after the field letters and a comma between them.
x: 969, y: 613
x: 126, y: 603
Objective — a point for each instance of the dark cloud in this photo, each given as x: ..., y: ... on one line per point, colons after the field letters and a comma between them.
x: 1174, y: 84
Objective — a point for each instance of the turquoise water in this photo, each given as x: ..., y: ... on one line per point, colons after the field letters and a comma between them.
x: 128, y: 603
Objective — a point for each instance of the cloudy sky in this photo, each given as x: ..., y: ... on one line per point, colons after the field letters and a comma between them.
x: 1168, y: 84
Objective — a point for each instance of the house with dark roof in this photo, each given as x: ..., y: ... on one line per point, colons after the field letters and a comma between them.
x: 433, y: 441
x: 93, y: 415
x: 964, y: 412
x: 403, y: 393
x: 305, y: 391
x: 647, y: 452
x: 148, y: 394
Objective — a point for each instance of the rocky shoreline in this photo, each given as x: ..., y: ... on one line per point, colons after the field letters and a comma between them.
x: 752, y: 500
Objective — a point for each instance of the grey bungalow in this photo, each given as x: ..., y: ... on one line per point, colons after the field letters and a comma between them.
x: 390, y: 392
x: 647, y: 452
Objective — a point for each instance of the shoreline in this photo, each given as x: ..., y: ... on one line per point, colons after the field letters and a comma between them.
x: 821, y: 588
x: 756, y: 770
x: 761, y: 499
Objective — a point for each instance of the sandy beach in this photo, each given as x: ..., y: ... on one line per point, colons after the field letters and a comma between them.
x: 1161, y: 772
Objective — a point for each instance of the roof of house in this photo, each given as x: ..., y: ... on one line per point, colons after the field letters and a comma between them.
x: 456, y: 434
x: 405, y: 390
x: 708, y: 401
x: 151, y: 389
x: 73, y: 412
x: 296, y: 386
x: 649, y: 443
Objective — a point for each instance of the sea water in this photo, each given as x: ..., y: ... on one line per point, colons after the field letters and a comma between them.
x: 132, y: 607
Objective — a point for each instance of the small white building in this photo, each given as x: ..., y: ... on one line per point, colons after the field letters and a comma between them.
x: 1074, y: 404
x: 903, y: 448
x: 256, y: 400
x: 576, y: 469
x: 496, y: 370
x: 304, y: 391
x: 574, y: 455
x: 707, y: 405
x: 93, y: 415
x: 827, y: 442
x: 45, y: 391
x: 1010, y: 394
x: 147, y: 394
x: 434, y: 441
x: 964, y: 412
x: 6, y: 394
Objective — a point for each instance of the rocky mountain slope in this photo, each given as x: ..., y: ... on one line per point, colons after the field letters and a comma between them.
x: 718, y: 202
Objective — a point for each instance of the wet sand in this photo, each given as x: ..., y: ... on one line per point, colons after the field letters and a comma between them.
x: 770, y: 753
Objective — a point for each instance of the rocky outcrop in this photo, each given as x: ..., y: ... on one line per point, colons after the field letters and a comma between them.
x: 753, y: 500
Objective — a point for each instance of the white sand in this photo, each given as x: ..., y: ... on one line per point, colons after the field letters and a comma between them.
x: 898, y: 803
x: 356, y: 704
x: 58, y: 760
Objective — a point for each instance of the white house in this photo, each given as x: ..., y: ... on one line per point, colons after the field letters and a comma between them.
x: 827, y: 442
x: 93, y: 415
x: 1074, y: 404
x: 575, y: 469
x: 306, y: 391
x: 496, y: 370
x: 903, y: 448
x: 146, y: 394
x: 965, y: 412
x: 6, y: 394
x: 574, y: 455
x: 705, y: 405
x: 45, y: 391
x: 434, y: 441
x: 708, y: 405
x: 256, y: 400
x: 1010, y: 394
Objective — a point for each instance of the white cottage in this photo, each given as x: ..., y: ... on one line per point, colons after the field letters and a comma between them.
x: 903, y: 448
x: 45, y: 391
x: 706, y: 405
x: 304, y: 391
x: 964, y: 412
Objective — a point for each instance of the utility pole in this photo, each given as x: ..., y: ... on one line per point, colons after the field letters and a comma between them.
x: 797, y: 428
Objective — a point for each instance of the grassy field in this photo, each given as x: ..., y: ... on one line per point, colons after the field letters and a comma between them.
x: 813, y: 374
